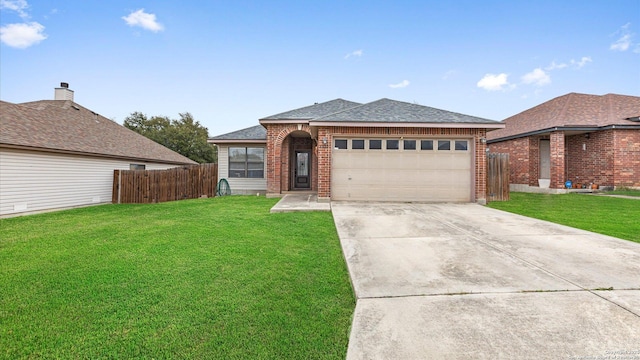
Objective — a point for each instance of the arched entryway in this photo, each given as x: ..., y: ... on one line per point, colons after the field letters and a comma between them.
x: 299, y: 165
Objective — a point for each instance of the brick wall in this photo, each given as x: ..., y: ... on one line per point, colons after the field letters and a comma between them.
x: 279, y: 145
x: 534, y: 159
x: 557, y: 160
x: 590, y: 160
x: 518, y: 150
x: 626, y: 157
x: 607, y: 158
x: 278, y: 152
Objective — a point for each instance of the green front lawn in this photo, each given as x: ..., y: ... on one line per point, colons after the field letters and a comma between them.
x: 627, y: 192
x: 602, y: 214
x: 207, y: 278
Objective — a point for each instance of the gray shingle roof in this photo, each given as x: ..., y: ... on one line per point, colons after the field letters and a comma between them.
x: 60, y: 125
x: 257, y: 132
x: 386, y: 110
x: 314, y: 111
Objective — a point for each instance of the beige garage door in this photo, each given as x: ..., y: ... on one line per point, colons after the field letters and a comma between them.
x: 401, y: 169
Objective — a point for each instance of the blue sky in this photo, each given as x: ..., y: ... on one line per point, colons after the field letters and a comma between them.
x: 230, y: 63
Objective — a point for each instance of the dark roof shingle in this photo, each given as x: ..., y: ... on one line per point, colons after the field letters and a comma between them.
x: 257, y: 132
x: 572, y: 110
x: 387, y: 110
x: 314, y: 111
x: 61, y: 125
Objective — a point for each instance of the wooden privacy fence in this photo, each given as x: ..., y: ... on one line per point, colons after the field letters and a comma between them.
x: 497, y: 177
x: 152, y: 186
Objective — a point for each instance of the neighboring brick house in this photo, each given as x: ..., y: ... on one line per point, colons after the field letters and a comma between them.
x: 588, y: 139
x: 57, y: 154
x: 384, y: 150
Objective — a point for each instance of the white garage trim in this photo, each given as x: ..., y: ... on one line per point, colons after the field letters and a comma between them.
x: 438, y: 169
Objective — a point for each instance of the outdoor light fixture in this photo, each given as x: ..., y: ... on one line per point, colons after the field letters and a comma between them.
x: 483, y: 140
x: 324, y: 140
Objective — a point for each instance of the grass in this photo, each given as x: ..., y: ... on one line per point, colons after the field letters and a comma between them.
x: 202, y: 279
x: 624, y: 191
x: 601, y: 214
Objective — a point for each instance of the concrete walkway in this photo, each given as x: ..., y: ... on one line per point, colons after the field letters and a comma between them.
x: 463, y: 281
x: 300, y: 202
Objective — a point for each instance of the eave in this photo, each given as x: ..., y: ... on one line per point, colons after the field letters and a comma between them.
x: 576, y: 128
x: 236, y: 141
x: 81, y: 153
x: 409, y: 124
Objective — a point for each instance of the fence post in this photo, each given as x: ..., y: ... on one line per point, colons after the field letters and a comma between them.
x: 115, y: 192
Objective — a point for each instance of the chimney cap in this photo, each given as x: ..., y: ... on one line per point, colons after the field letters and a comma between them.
x: 64, y: 85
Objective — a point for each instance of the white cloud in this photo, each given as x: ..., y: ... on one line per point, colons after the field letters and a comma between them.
x: 624, y: 42
x: 555, y: 66
x: 144, y: 20
x: 493, y: 82
x: 582, y: 62
x: 18, y: 6
x: 22, y: 36
x: 577, y: 64
x: 354, y: 53
x: 537, y: 77
x: 402, y: 84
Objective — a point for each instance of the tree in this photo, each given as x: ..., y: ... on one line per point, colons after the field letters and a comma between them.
x: 185, y: 135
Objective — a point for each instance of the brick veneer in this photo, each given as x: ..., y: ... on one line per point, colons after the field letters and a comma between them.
x: 590, y: 160
x: 626, y: 166
x: 277, y: 148
x: 608, y: 158
x: 557, y: 159
x: 518, y: 150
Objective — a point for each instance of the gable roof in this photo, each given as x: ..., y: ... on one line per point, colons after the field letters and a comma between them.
x: 572, y: 110
x: 64, y: 126
x: 251, y: 134
x: 392, y: 111
x: 314, y: 111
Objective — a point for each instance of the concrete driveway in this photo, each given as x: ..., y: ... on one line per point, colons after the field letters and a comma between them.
x: 463, y: 281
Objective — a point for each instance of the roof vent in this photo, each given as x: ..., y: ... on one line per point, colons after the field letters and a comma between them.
x: 634, y: 118
x: 63, y: 92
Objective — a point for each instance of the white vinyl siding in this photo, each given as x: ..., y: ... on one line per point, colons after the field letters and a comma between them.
x: 240, y: 186
x: 33, y: 181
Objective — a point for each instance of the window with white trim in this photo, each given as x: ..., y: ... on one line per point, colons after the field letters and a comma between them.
x: 246, y: 162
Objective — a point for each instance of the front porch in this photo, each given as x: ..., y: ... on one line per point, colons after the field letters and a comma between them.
x: 292, y: 160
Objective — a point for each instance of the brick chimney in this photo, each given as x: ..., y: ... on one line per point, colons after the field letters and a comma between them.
x: 63, y: 92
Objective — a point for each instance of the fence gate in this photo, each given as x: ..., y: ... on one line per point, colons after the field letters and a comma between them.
x: 152, y: 186
x: 497, y: 177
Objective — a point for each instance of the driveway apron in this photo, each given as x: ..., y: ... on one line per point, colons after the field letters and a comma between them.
x: 463, y: 281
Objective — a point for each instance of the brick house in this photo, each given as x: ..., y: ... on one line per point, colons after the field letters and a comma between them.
x: 588, y: 139
x: 384, y: 150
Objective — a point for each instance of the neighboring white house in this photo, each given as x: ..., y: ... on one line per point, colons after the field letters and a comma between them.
x: 57, y: 154
x: 241, y: 161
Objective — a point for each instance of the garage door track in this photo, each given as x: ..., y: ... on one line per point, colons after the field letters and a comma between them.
x: 463, y: 281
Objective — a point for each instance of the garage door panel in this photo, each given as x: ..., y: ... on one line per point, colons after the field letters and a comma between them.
x: 398, y: 175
